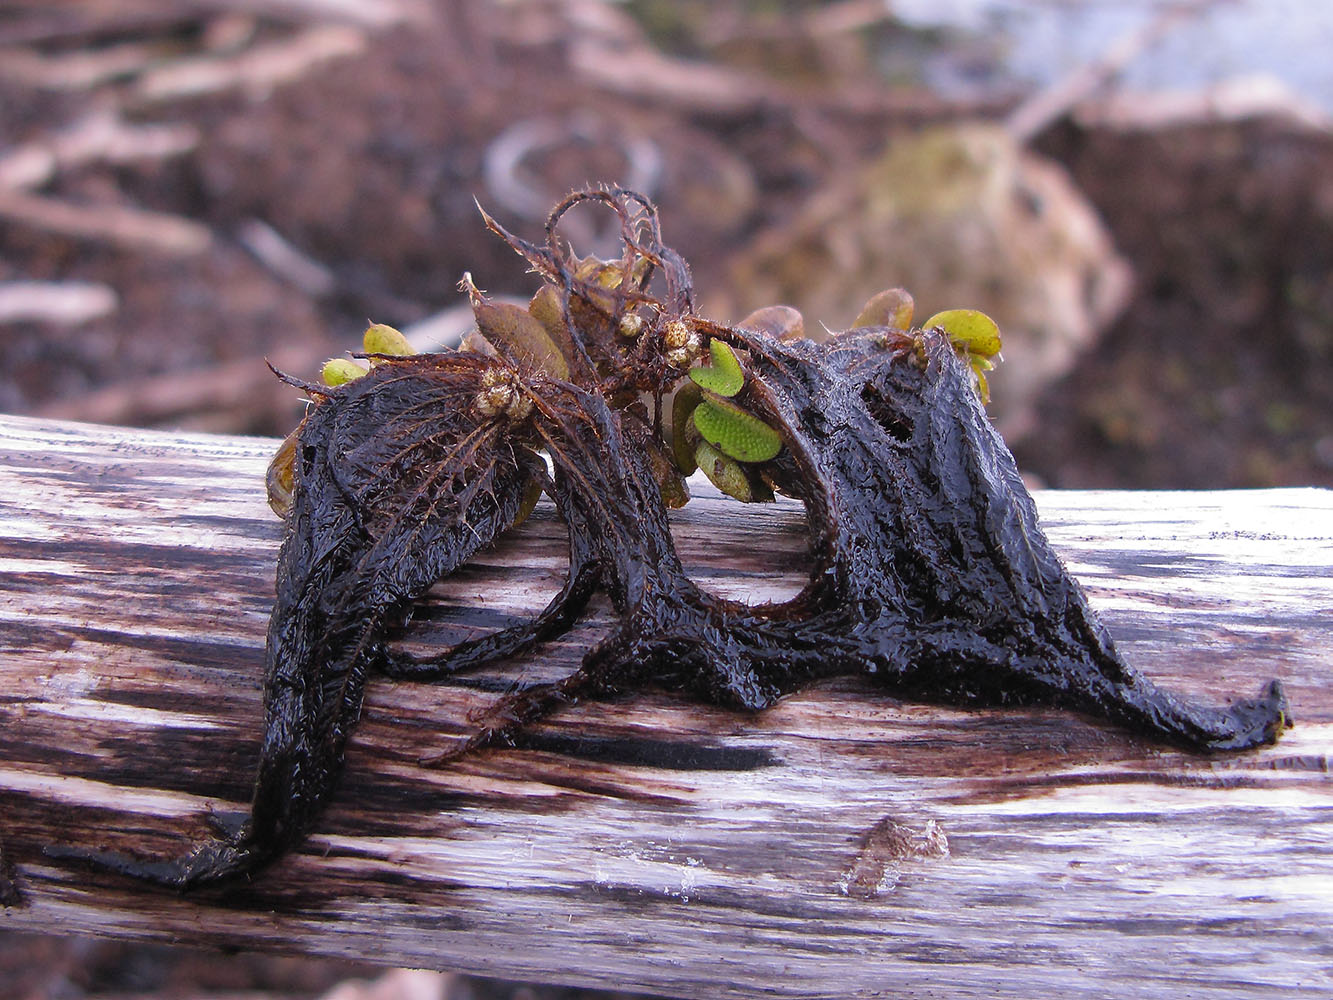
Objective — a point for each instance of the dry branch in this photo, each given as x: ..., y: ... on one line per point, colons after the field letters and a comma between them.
x: 289, y: 263
x: 228, y: 395
x: 67, y: 303
x: 1236, y: 99
x: 121, y: 225
x: 257, y: 70
x: 1046, y: 106
x: 36, y: 22
x: 690, y: 86
x: 80, y: 70
x: 653, y: 843
x: 102, y: 136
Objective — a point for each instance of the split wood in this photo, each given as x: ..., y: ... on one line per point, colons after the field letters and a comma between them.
x: 840, y: 844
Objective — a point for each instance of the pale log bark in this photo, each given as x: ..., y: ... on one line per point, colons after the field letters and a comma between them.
x: 841, y: 844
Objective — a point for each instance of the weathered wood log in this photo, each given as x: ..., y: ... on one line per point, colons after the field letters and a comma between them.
x: 840, y: 844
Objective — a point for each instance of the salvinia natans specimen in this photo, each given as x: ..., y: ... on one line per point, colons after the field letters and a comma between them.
x: 930, y: 573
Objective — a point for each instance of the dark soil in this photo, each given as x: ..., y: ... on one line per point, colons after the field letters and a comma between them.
x: 42, y: 967
x: 1220, y: 374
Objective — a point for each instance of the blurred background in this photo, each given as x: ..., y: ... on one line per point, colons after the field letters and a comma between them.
x: 1140, y: 192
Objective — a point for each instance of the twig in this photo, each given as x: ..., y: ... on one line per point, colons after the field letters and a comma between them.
x: 47, y: 22
x: 67, y: 303
x: 1252, y: 96
x: 235, y: 394
x: 647, y: 73
x: 845, y: 16
x: 293, y: 266
x: 366, y: 13
x: 258, y: 70
x: 118, y: 224
x: 1046, y: 106
x: 80, y: 70
x: 101, y: 136
x: 64, y: 23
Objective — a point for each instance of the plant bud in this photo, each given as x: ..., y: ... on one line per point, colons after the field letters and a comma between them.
x: 680, y: 335
x: 729, y: 476
x: 340, y: 371
x: 502, y: 395
x: 679, y: 357
x: 969, y: 331
x: 531, y: 494
x: 976, y: 339
x: 380, y: 338
x: 631, y: 325
x: 280, y: 478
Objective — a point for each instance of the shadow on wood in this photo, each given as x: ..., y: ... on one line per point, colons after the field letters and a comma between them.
x: 840, y: 844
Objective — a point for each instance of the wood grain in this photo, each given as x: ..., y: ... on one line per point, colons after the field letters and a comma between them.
x: 842, y: 844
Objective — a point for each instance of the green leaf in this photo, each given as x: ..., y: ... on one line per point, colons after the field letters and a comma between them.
x: 723, y: 472
x: 735, y: 432
x: 531, y: 494
x: 684, y: 436
x: 724, y: 376
x: 969, y: 330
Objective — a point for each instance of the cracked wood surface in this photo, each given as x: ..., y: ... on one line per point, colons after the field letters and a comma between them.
x: 840, y: 844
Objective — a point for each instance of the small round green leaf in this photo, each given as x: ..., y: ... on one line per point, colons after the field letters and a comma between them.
x: 724, y: 376
x: 723, y: 472
x: 969, y: 329
x: 735, y: 432
x: 340, y: 371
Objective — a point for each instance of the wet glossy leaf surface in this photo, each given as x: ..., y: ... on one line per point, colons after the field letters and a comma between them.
x: 734, y: 431
x: 724, y: 376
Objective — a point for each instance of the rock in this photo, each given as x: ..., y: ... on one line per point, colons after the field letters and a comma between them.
x: 961, y: 216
